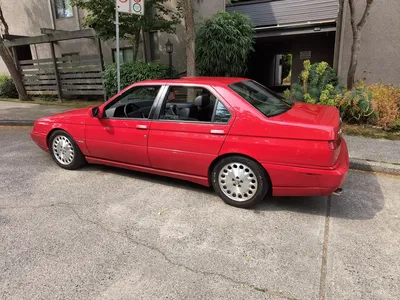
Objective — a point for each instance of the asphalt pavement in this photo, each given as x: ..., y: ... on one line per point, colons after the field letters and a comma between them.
x: 106, y: 233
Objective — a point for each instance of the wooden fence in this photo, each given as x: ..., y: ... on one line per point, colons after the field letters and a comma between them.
x: 63, y: 76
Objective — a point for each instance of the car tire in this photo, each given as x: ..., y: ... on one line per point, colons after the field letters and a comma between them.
x: 64, y: 151
x: 240, y: 181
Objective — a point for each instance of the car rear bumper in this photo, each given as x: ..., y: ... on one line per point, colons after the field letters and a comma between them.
x: 40, y: 139
x: 299, y: 181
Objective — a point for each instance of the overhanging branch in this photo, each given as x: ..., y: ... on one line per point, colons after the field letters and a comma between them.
x: 365, y: 14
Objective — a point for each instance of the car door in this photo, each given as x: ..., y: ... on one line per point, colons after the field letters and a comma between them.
x: 189, y: 129
x: 121, y: 133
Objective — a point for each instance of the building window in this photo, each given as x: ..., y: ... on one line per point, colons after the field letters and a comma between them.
x: 125, y: 55
x: 154, y: 46
x: 63, y: 9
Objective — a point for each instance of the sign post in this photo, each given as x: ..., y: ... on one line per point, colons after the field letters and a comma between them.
x: 117, y: 46
x: 135, y: 7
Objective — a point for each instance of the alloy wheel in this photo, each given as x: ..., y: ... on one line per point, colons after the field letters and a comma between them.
x: 63, y: 150
x: 238, y: 181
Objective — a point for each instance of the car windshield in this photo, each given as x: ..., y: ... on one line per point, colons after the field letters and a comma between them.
x: 267, y: 102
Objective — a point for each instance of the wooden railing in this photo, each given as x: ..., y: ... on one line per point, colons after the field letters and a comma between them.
x: 64, y: 76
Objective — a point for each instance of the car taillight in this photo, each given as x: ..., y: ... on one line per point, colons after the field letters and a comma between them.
x: 333, y: 145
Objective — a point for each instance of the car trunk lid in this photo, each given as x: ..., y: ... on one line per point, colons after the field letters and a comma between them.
x: 315, y: 122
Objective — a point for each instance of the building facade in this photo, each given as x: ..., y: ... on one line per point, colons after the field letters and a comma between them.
x: 380, y: 43
x: 306, y: 29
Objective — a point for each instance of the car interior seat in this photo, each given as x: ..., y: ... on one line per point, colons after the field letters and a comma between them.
x: 188, y: 113
x: 205, y: 109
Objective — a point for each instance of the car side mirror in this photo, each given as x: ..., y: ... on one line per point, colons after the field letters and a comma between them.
x: 95, y: 112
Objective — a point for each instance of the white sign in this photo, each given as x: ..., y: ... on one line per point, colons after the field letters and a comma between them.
x: 135, y: 7
x: 305, y: 55
x: 123, y: 6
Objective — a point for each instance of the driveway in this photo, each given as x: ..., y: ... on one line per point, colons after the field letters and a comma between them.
x: 105, y: 233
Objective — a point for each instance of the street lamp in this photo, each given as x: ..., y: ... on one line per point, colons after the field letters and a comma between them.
x: 169, y: 47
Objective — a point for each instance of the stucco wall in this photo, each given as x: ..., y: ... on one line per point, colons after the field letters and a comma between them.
x: 380, y: 44
x: 26, y: 17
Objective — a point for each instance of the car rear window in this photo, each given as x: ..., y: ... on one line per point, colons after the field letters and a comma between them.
x: 266, y: 101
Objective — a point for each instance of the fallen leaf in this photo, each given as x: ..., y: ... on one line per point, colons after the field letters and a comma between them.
x: 161, y: 212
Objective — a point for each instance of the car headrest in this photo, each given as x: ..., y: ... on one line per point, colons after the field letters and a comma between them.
x: 202, y: 101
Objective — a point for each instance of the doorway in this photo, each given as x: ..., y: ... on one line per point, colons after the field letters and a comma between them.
x: 277, y: 61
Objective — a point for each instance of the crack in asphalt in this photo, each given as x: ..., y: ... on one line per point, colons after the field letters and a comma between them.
x: 60, y: 204
x: 165, y: 256
x: 138, y: 242
x: 322, y: 285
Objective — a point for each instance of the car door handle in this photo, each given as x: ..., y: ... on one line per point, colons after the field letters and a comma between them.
x: 217, y: 131
x: 141, y: 127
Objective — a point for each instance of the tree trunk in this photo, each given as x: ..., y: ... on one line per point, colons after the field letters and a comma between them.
x: 353, y: 60
x: 15, y: 74
x: 189, y: 37
x: 356, y: 29
x: 136, y: 45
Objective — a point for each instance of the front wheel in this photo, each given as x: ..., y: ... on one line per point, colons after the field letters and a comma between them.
x: 65, y: 151
x: 240, y: 181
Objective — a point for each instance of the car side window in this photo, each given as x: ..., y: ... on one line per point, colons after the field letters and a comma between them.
x: 135, y: 103
x: 185, y: 103
x: 222, y: 114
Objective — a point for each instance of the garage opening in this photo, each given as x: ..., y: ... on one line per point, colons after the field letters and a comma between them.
x: 278, y: 60
x: 303, y: 29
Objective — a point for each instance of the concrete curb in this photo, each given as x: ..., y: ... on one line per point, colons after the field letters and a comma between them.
x: 355, y: 163
x: 374, y: 166
x: 17, y: 122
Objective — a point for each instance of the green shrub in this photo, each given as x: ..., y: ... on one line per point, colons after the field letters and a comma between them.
x: 133, y: 72
x: 317, y: 83
x: 355, y: 105
x: 223, y: 44
x: 7, y: 87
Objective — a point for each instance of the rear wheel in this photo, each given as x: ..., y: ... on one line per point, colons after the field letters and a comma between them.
x: 240, y: 181
x: 65, y: 151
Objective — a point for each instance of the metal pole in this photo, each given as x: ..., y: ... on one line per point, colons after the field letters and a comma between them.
x: 170, y: 65
x: 117, y: 38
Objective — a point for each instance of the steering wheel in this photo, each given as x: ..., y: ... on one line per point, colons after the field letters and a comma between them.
x: 134, y: 105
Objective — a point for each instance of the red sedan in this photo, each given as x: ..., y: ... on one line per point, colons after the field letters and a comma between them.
x: 231, y: 133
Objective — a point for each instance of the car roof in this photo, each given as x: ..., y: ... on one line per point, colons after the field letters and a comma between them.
x: 198, y: 80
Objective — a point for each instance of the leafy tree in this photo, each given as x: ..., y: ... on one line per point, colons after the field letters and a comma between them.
x: 356, y: 29
x: 5, y: 54
x: 101, y: 17
x: 223, y: 44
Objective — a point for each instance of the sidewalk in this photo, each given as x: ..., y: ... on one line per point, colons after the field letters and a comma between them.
x: 14, y: 113
x: 366, y: 154
x: 377, y: 155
